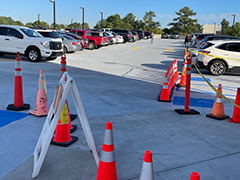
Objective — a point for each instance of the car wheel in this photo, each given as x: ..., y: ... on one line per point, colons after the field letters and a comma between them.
x: 64, y: 50
x: 33, y: 54
x: 217, y: 67
x: 91, y: 45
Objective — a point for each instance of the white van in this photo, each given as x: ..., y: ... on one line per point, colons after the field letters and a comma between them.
x: 28, y: 42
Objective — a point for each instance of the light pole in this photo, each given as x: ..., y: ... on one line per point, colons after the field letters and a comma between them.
x: 233, y: 22
x: 54, y: 21
x: 101, y: 19
x: 38, y: 19
x: 82, y: 17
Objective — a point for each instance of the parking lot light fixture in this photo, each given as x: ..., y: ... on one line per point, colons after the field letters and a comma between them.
x: 82, y: 17
x: 54, y: 19
x: 101, y: 19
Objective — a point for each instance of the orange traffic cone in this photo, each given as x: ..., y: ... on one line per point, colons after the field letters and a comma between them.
x: 236, y: 110
x: 18, y: 104
x: 147, y: 167
x: 183, y: 76
x: 185, y: 55
x: 107, y: 165
x: 41, y: 108
x: 218, y: 109
x: 62, y: 134
x: 195, y: 176
x: 71, y: 127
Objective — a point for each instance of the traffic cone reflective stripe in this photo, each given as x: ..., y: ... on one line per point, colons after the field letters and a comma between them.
x: 147, y: 167
x: 41, y: 107
x: 62, y: 134
x: 18, y: 90
x: 195, y: 176
x: 236, y: 110
x: 218, y: 107
x: 107, y: 165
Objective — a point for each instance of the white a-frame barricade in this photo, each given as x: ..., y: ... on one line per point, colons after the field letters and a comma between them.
x: 65, y: 84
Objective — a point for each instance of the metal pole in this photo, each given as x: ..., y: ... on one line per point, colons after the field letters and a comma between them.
x: 82, y: 17
x: 101, y: 19
x: 233, y: 22
x: 38, y: 19
x: 54, y: 18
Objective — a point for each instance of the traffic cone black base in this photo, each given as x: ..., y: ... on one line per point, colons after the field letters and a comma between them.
x: 65, y: 144
x: 178, y: 85
x: 190, y: 112
x: 74, y: 127
x: 218, y: 118
x: 73, y: 116
x: 12, y: 107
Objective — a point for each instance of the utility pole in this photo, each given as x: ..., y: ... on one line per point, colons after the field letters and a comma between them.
x: 82, y: 17
x: 233, y: 22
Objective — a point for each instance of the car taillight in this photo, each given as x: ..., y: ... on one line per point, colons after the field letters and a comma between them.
x: 198, y: 39
x: 135, y: 35
x: 73, y: 43
x: 206, y: 52
x: 127, y: 35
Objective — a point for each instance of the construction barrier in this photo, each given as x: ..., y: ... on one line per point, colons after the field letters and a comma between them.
x: 41, y: 107
x: 107, y: 165
x: 186, y: 109
x: 171, y: 76
x: 18, y: 90
x: 147, y: 167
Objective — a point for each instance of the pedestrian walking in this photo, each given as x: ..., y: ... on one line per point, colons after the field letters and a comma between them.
x: 187, y: 41
x: 152, y: 37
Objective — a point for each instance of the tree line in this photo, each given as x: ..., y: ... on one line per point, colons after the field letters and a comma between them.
x: 183, y: 23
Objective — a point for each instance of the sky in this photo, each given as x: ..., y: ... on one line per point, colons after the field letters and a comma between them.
x: 68, y: 11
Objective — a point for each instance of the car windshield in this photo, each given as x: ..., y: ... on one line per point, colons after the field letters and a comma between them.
x: 30, y: 32
x: 50, y: 34
x: 174, y: 33
x: 207, y: 45
x: 68, y: 37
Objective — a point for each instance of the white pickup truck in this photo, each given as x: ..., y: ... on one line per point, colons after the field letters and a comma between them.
x: 28, y: 42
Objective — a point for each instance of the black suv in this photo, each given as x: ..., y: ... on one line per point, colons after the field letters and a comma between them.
x: 126, y: 34
x: 140, y: 33
x: 147, y: 34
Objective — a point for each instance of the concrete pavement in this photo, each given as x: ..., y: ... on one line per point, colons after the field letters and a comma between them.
x: 121, y: 84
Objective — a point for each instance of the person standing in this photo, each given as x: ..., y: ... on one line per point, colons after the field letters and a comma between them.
x: 187, y: 41
x: 152, y: 37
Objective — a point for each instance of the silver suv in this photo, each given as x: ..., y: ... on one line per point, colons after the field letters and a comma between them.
x: 28, y: 42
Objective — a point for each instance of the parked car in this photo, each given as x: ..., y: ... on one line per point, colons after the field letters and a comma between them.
x: 140, y: 33
x: 164, y: 35
x: 174, y: 35
x: 193, y: 37
x: 95, y: 38
x: 147, y: 34
x: 119, y: 39
x: 114, y: 38
x: 70, y: 44
x: 135, y: 35
x: 110, y: 38
x: 84, y: 42
x: 202, y: 36
x: 28, y: 42
x: 221, y: 56
x: 126, y: 34
x: 211, y: 38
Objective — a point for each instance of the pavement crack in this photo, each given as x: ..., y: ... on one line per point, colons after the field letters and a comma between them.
x: 127, y: 72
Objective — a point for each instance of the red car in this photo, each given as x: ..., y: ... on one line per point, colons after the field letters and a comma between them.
x: 83, y: 41
x: 95, y: 38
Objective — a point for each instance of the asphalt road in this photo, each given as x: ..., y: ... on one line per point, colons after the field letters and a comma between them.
x: 121, y: 83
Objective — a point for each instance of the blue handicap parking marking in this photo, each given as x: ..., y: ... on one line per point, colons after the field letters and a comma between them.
x: 208, y: 103
x: 6, y: 117
x: 198, y: 79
